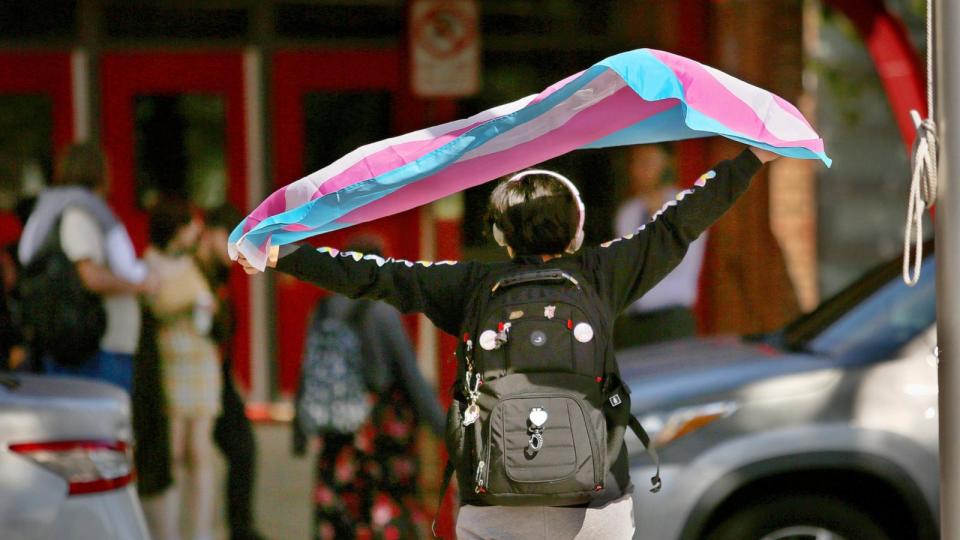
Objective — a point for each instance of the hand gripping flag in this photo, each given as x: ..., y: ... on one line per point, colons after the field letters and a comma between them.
x: 641, y: 96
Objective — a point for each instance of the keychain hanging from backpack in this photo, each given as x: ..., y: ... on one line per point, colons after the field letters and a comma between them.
x: 472, y: 413
x: 538, y: 417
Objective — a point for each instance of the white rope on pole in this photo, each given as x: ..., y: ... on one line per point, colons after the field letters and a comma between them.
x: 923, y: 182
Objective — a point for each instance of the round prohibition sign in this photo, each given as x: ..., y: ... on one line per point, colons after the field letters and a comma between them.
x: 445, y: 30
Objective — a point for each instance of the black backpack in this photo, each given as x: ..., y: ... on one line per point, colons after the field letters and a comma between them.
x: 540, y: 414
x: 332, y: 396
x: 60, y: 316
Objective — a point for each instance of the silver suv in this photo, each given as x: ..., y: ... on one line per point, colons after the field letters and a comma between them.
x: 824, y: 430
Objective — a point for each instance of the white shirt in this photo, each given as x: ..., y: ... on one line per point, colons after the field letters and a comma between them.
x: 679, y: 287
x: 82, y: 238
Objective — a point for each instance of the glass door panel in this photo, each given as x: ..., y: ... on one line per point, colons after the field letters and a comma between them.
x: 26, y: 149
x: 180, y: 148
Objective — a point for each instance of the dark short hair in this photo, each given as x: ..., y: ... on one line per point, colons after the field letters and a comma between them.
x: 81, y: 164
x: 537, y: 214
x: 166, y: 218
x: 224, y: 215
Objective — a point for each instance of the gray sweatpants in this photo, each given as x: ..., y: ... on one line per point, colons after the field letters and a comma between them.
x: 613, y: 521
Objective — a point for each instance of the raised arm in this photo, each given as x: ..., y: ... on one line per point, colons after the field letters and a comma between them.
x: 438, y: 290
x: 633, y: 264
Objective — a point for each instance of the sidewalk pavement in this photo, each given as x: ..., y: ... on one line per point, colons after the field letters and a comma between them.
x: 282, y: 494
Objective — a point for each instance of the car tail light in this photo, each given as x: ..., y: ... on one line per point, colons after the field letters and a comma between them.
x: 87, y: 466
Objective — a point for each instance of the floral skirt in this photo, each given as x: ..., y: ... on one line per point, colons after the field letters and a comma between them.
x: 366, y: 484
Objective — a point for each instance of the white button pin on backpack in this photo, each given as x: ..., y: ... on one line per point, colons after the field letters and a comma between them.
x: 488, y: 340
x: 583, y: 332
x: 538, y: 416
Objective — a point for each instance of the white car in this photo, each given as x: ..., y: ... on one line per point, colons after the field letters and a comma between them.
x: 66, y: 464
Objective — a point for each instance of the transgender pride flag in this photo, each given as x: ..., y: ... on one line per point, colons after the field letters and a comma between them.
x: 636, y: 97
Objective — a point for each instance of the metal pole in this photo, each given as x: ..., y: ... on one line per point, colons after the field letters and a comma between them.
x: 947, y: 75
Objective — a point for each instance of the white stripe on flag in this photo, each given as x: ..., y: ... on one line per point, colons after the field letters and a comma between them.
x: 600, y: 88
x: 780, y: 123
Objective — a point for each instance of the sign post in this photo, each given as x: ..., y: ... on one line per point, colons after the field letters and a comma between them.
x: 947, y: 72
x: 444, y: 48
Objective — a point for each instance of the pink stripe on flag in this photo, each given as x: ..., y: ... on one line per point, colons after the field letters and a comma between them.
x: 296, y: 227
x: 711, y: 98
x: 554, y: 87
x: 386, y: 160
x: 623, y: 109
x: 275, y: 204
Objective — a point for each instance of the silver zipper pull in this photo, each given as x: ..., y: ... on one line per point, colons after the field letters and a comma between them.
x: 468, y: 358
x: 479, y: 477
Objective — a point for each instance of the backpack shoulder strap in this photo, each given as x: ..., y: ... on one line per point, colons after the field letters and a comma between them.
x: 645, y: 439
x: 51, y: 244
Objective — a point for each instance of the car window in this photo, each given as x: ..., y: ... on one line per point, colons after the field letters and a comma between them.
x: 883, y: 323
x: 798, y: 335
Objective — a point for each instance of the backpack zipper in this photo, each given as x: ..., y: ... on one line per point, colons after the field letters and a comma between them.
x: 481, y: 478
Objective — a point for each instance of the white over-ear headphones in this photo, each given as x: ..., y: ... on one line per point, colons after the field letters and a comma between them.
x: 581, y: 211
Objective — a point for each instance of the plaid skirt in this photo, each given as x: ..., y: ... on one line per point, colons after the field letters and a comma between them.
x: 191, y: 370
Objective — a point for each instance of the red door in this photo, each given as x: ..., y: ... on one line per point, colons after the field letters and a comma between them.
x: 173, y: 123
x: 36, y: 122
x: 325, y: 104
x: 46, y: 75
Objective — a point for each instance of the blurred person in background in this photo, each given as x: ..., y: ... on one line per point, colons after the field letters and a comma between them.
x: 183, y: 306
x: 90, y: 236
x: 232, y: 431
x: 151, y: 426
x: 10, y: 223
x: 366, y: 482
x: 666, y: 311
x: 12, y: 344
